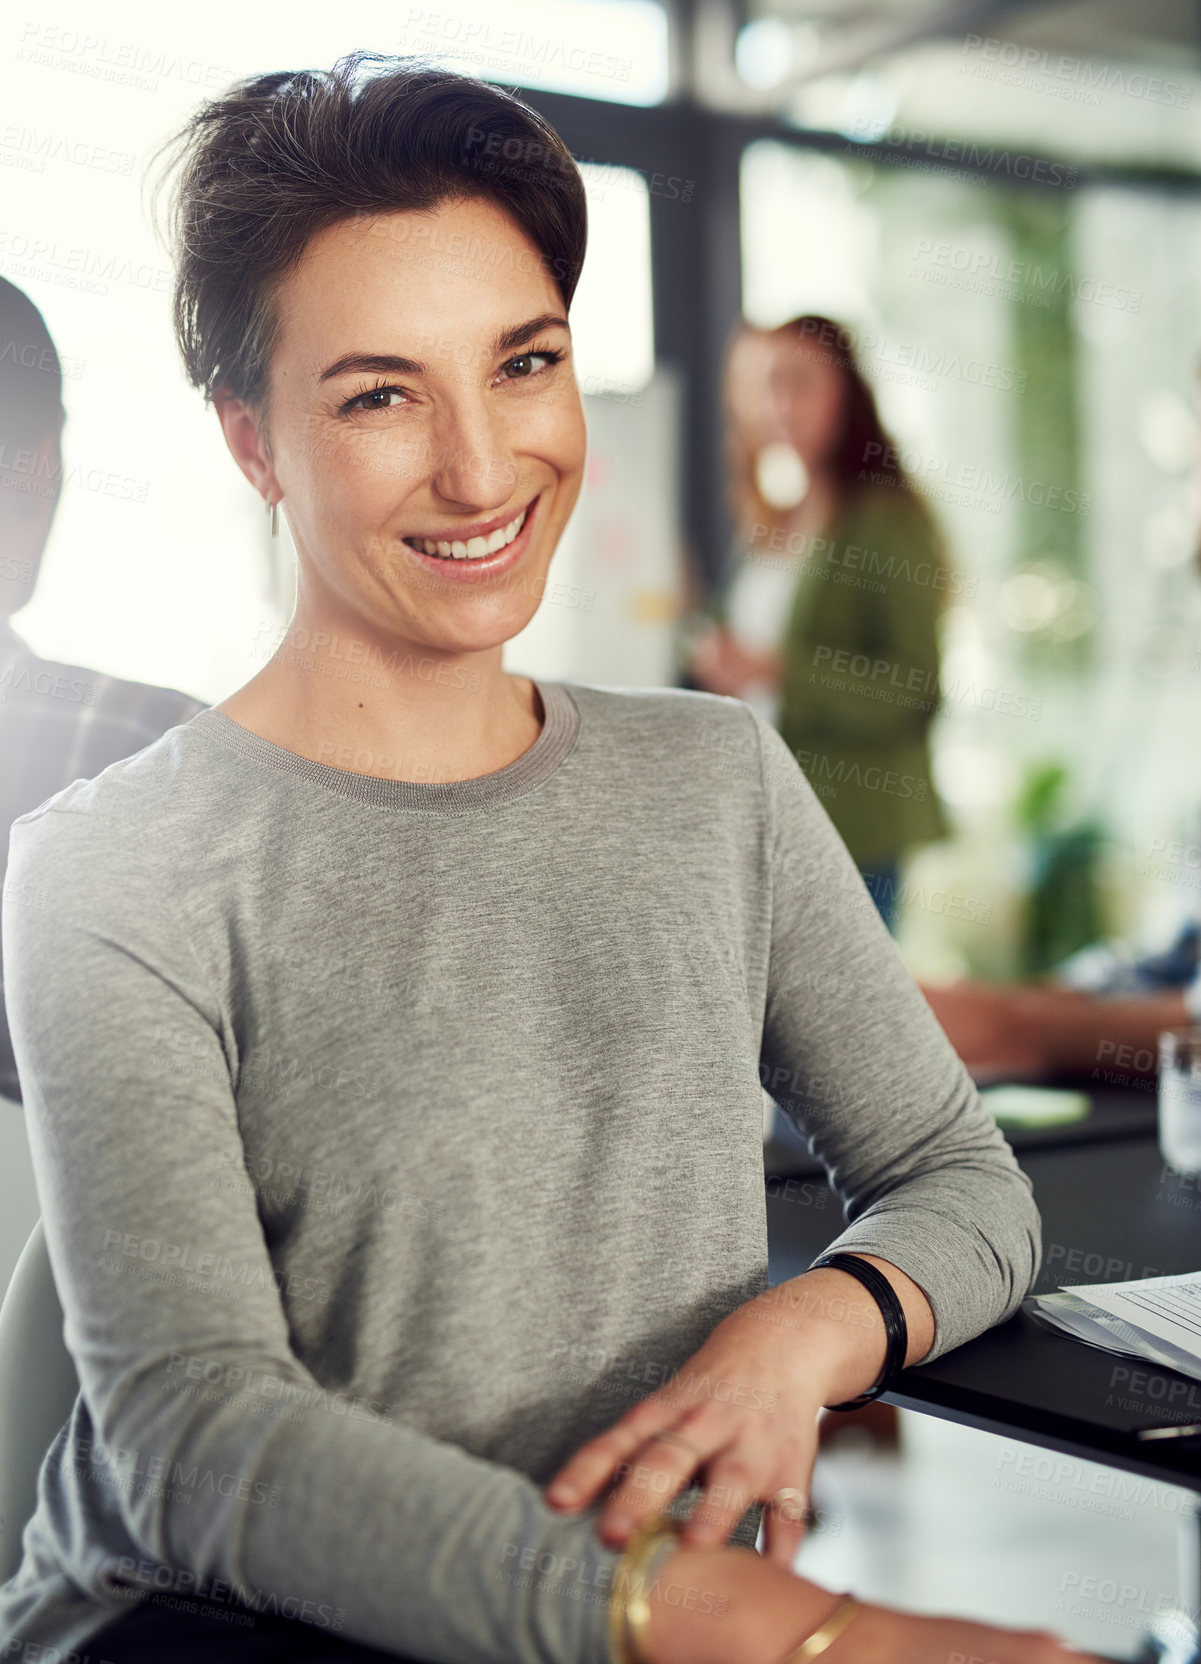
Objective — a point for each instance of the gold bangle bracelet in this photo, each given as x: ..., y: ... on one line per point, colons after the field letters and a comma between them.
x: 826, y: 1633
x: 629, y: 1584
x: 638, y: 1607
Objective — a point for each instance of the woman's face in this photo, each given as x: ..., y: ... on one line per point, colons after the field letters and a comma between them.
x: 748, y: 368
x: 807, y: 390
x: 414, y: 394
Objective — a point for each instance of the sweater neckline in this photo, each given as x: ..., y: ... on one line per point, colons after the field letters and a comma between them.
x: 561, y: 723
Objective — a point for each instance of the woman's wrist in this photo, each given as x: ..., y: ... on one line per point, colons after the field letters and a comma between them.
x: 892, y: 1313
x: 845, y: 1342
x: 841, y: 1335
x: 841, y: 1612
x: 714, y: 1605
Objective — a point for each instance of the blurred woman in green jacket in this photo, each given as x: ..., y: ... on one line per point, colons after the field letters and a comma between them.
x: 848, y: 653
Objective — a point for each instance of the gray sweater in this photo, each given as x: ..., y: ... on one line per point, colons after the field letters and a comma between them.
x: 395, y: 1138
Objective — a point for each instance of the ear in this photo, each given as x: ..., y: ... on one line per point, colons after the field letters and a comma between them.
x: 47, y: 454
x: 246, y: 442
x: 26, y: 518
x: 34, y: 508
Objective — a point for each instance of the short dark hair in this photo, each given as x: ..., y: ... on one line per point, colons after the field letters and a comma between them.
x: 280, y: 157
x: 31, y: 377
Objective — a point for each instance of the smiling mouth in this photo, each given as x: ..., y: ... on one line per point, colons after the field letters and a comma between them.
x: 474, y: 548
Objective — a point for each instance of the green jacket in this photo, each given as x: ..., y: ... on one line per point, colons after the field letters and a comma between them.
x: 860, y: 683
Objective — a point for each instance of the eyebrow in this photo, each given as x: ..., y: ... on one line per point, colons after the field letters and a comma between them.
x: 380, y: 363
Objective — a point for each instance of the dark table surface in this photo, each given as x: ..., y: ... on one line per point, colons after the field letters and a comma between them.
x: 1111, y: 1212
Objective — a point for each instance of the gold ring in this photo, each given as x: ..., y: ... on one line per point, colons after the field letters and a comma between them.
x: 791, y: 1504
x: 678, y: 1438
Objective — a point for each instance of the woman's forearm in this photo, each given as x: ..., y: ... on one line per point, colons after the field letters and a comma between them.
x: 725, y: 1606
x: 718, y: 1605
x: 1081, y: 1032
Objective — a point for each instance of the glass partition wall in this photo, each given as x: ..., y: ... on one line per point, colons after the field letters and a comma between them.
x: 1035, y: 355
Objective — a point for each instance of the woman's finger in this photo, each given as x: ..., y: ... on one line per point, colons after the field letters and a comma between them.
x: 577, y: 1483
x: 785, y: 1519
x: 789, y: 1510
x: 657, y: 1472
x: 580, y: 1479
x: 736, y: 1477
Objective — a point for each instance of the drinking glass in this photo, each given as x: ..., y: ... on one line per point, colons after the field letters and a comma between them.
x: 1180, y: 1099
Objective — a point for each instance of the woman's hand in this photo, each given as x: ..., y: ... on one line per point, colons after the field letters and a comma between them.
x: 998, y: 1029
x: 721, y: 664
x: 1036, y: 1029
x: 744, y: 1408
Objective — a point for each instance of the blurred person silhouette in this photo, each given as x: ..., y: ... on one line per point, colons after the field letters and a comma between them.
x: 829, y: 619
x: 58, y: 722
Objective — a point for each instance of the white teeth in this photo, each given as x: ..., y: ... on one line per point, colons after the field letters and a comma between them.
x: 475, y: 547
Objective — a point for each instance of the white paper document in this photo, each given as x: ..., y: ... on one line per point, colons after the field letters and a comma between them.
x: 1156, y: 1318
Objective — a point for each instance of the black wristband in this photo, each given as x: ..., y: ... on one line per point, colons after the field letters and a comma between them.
x: 891, y: 1310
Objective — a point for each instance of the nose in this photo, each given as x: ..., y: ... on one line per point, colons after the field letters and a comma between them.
x: 474, y: 465
x: 773, y: 417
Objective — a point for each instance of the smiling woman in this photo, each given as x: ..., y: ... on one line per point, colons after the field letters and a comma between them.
x: 543, y: 945
x: 390, y: 359
x: 449, y: 446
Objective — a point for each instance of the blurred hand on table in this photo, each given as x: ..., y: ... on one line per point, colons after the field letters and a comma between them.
x: 1036, y: 1029
x: 999, y: 1031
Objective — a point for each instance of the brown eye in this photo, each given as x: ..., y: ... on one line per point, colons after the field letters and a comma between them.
x: 373, y: 398
x: 524, y: 365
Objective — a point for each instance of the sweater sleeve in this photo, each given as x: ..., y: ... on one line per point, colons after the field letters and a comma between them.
x: 175, y: 1321
x: 853, y: 1054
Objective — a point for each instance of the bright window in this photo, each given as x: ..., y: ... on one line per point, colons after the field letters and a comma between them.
x: 612, y: 322
x: 610, y: 49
